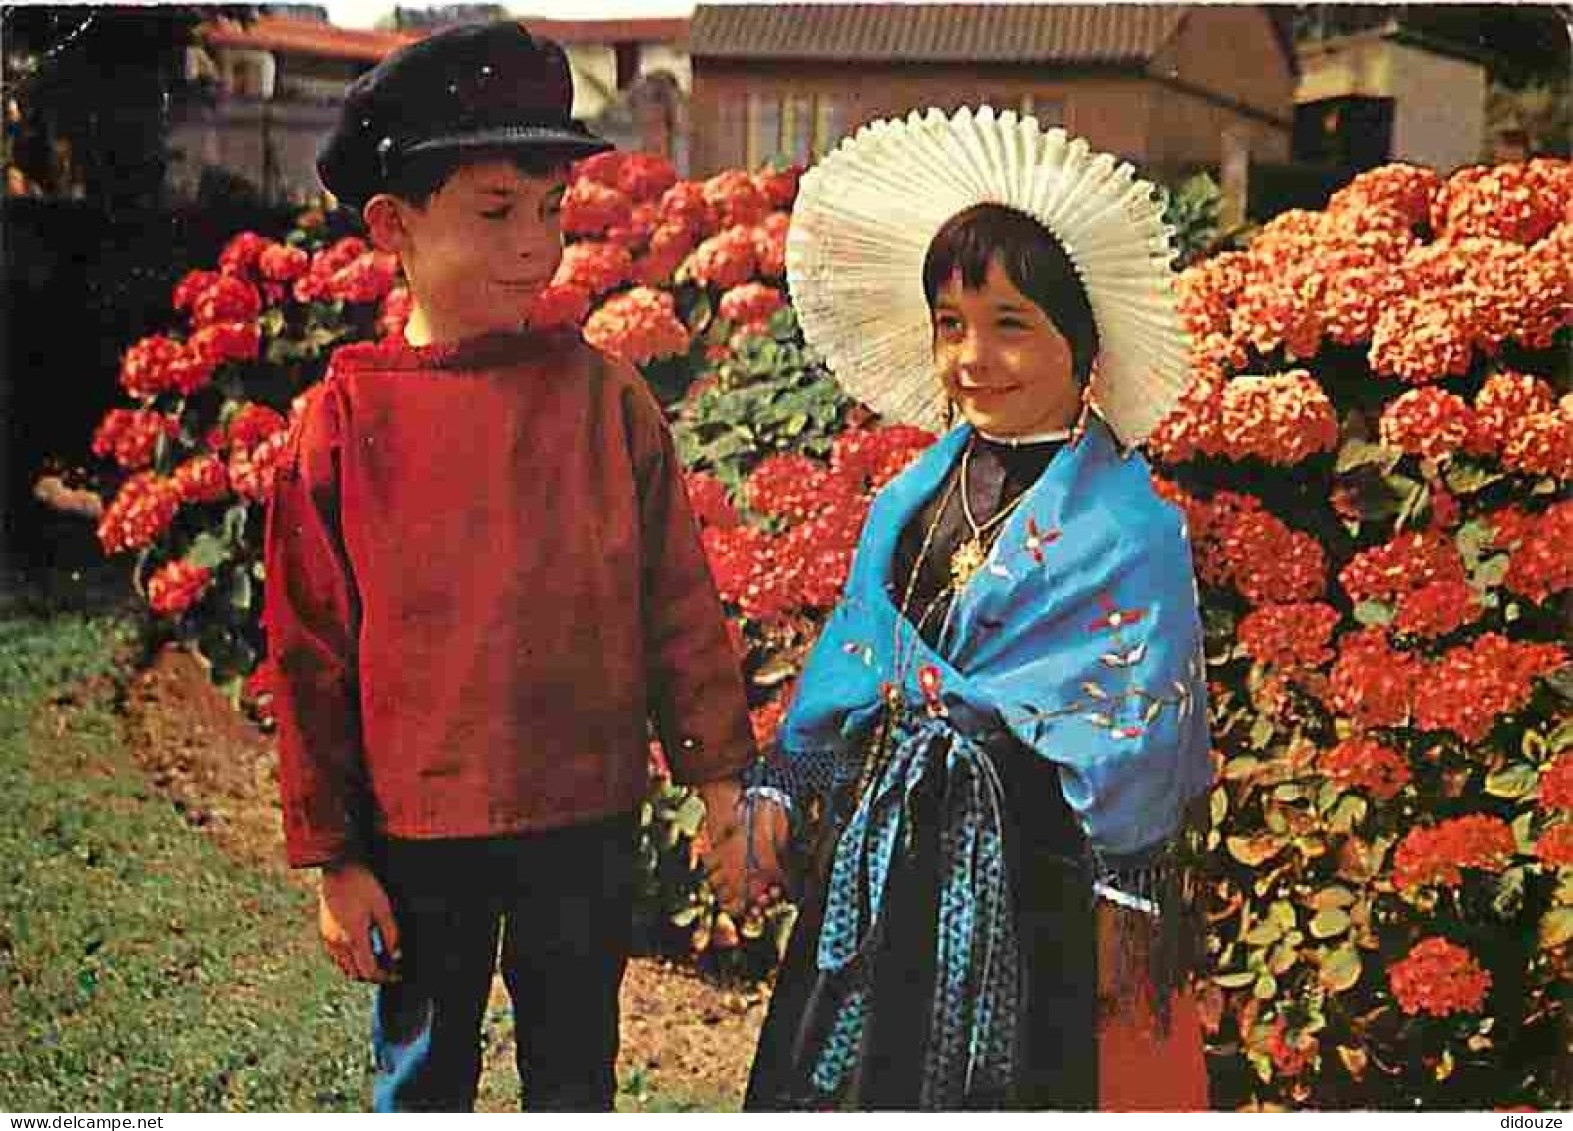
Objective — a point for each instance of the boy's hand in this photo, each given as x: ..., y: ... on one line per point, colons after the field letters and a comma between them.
x: 351, y: 903
x: 726, y: 861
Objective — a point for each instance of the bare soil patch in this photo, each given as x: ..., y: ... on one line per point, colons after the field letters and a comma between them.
x: 685, y: 1040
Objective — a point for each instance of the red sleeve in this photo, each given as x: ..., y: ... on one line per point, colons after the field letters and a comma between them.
x: 312, y: 616
x: 696, y: 685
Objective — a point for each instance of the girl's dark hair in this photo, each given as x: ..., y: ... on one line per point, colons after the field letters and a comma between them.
x: 1035, y: 262
x: 417, y: 178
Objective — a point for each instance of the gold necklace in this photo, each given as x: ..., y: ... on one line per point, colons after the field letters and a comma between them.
x: 971, y: 554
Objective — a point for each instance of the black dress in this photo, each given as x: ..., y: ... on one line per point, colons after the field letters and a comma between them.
x: 1051, y: 892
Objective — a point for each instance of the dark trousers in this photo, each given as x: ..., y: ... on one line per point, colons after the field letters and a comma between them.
x: 561, y: 905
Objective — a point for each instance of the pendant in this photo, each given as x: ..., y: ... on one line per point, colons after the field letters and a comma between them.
x: 966, y: 561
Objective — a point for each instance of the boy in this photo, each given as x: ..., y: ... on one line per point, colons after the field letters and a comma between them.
x: 482, y: 576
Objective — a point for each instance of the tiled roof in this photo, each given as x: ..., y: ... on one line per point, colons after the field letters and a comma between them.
x: 306, y: 37
x: 572, y: 32
x: 936, y: 33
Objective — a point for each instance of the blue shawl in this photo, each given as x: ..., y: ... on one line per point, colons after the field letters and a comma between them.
x: 1080, y: 638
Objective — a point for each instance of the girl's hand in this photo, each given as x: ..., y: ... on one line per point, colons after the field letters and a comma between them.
x: 726, y: 860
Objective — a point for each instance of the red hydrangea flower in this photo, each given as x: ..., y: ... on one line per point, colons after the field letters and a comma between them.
x: 228, y: 299
x: 1505, y: 399
x: 751, y: 304
x: 1555, y: 846
x: 1281, y: 418
x: 1540, y: 565
x: 868, y: 458
x: 251, y: 425
x: 709, y: 500
x: 1409, y: 561
x: 770, y: 244
x: 175, y: 587
x: 225, y: 341
x: 1290, y: 1057
x: 1509, y: 202
x: 1436, y: 609
x: 813, y: 558
x: 1439, y: 978
x: 1372, y: 682
x: 602, y: 168
x: 251, y: 469
x: 561, y: 304
x: 685, y: 206
x: 1423, y: 339
x: 595, y: 267
x: 789, y: 487
x: 1289, y: 636
x: 645, y: 176
x: 191, y: 285
x: 241, y: 253
x: 590, y: 208
x: 202, y: 479
x: 130, y: 436
x: 1408, y: 190
x: 1364, y: 763
x: 148, y: 367
x: 282, y: 263
x: 1241, y: 544
x: 637, y: 326
x: 1473, y: 685
x: 139, y: 514
x: 779, y: 186
x: 1436, y: 854
x: 366, y: 278
x: 1556, y: 783
x: 1541, y: 444
x: 736, y: 199
x: 1427, y: 422
x: 724, y: 261
x: 737, y: 555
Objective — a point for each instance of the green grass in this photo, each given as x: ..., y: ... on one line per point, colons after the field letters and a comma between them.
x: 140, y: 968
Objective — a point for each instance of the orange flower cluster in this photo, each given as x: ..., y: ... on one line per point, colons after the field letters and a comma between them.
x: 130, y: 436
x: 1470, y: 687
x: 866, y: 459
x: 1402, y: 565
x: 1436, y: 854
x: 1280, y: 418
x: 1439, y: 978
x: 1556, y: 783
x: 560, y: 304
x: 709, y: 500
x: 175, y: 587
x: 1427, y: 422
x: 1289, y: 636
x: 594, y: 267
x: 637, y: 325
x: 1364, y: 763
x: 1240, y: 543
x: 1555, y: 846
x: 140, y: 512
x: 202, y: 479
x: 251, y: 469
x: 750, y: 306
x: 1372, y: 682
x: 160, y: 364
x: 1437, y: 608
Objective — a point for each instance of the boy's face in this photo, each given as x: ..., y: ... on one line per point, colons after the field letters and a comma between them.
x: 480, y: 247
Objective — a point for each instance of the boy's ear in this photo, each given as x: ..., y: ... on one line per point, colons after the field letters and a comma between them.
x: 386, y: 219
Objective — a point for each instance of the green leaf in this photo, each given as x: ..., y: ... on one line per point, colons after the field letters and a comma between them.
x: 1254, y: 850
x: 1515, y: 780
x: 1340, y: 969
x: 1509, y: 894
x: 1465, y: 478
x: 1329, y: 923
x: 1489, y: 573
x: 1236, y: 981
x: 1261, y: 732
x: 1373, y: 614
x: 1264, y: 933
x: 1218, y: 805
x: 1472, y: 539
x: 207, y: 551
x: 1523, y: 827
x: 240, y: 593
x: 1561, y: 738
x: 1331, y: 897
x: 1534, y: 746
x: 1363, y: 453
x: 1266, y: 988
x: 1349, y: 812
x: 1556, y: 927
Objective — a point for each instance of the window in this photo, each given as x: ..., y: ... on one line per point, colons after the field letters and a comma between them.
x: 795, y: 127
x: 1050, y: 112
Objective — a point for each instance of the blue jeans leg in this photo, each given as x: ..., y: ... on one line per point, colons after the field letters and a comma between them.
x: 426, y: 1026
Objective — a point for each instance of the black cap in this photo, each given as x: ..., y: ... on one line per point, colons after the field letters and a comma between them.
x: 485, y: 87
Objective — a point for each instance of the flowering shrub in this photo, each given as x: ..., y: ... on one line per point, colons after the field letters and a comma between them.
x: 1371, y: 461
x: 1371, y: 458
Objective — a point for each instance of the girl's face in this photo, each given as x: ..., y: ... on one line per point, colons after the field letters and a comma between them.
x: 1002, y: 361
